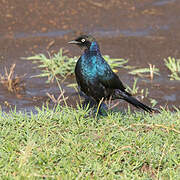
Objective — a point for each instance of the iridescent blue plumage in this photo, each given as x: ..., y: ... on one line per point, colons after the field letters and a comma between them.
x: 96, y: 78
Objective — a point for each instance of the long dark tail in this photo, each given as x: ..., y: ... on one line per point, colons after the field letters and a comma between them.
x: 130, y: 99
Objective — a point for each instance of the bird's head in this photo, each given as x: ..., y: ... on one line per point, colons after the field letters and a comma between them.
x: 83, y: 41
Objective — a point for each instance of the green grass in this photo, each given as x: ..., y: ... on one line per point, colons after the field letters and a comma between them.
x: 66, y: 144
x: 174, y: 66
x: 62, y: 65
x: 146, y: 72
x: 135, y: 89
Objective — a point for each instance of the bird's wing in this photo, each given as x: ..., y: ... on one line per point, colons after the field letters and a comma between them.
x: 108, y: 78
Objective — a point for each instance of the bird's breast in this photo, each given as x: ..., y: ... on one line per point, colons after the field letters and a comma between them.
x: 88, y: 67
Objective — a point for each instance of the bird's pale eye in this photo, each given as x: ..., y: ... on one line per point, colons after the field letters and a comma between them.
x: 83, y: 40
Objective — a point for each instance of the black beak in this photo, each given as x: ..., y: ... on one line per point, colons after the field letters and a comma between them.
x: 74, y: 42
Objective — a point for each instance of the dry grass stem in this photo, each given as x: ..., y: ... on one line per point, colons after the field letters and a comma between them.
x: 159, y: 126
x: 12, y: 82
x: 59, y: 99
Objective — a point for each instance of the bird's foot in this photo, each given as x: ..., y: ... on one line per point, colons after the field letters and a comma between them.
x: 88, y: 103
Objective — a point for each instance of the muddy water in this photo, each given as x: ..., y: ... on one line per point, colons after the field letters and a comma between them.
x: 143, y: 31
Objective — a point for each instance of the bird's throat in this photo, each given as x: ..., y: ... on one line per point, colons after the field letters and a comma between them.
x: 94, y: 46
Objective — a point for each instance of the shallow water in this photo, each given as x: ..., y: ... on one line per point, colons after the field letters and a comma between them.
x: 141, y: 31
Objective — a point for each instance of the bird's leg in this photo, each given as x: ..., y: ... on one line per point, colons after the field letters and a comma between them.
x: 96, y: 108
x: 88, y: 102
x: 101, y: 108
